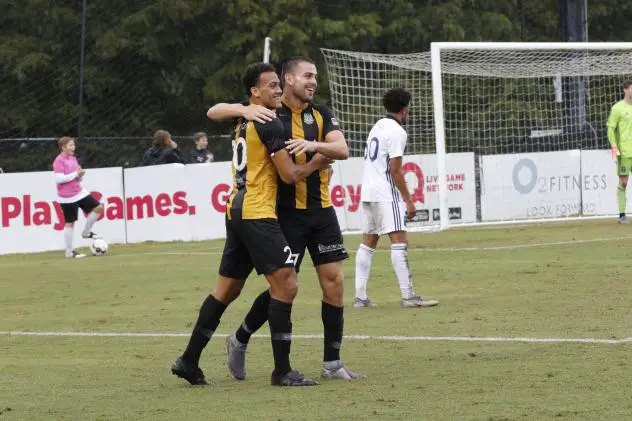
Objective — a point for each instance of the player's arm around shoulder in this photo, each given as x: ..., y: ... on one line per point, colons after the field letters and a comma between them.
x: 224, y: 111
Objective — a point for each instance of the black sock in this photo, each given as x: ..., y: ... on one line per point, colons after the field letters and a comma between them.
x: 333, y: 322
x: 255, y: 318
x: 208, y: 320
x: 280, y: 320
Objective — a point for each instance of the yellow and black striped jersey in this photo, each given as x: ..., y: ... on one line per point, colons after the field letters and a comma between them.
x: 311, y: 122
x: 255, y: 178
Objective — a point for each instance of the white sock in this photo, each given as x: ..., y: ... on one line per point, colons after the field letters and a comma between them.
x: 399, y: 259
x: 364, y: 255
x: 90, y: 220
x: 68, y: 233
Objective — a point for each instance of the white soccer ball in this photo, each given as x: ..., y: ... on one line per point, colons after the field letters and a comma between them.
x: 98, y: 247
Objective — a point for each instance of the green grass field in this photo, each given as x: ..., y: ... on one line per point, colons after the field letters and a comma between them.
x: 548, y: 281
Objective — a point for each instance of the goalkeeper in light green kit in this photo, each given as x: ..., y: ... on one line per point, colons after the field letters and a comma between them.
x: 620, y: 137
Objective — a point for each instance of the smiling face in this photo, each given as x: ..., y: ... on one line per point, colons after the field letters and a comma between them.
x: 301, y: 81
x: 267, y: 92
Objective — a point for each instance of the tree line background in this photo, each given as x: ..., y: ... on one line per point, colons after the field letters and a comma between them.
x: 153, y: 64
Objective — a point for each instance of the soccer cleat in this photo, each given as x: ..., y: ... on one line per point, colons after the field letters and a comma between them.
x: 360, y: 303
x: 75, y: 255
x: 193, y: 375
x: 337, y: 370
x: 623, y: 219
x: 417, y: 301
x: 291, y: 378
x: 236, y: 357
x: 89, y: 235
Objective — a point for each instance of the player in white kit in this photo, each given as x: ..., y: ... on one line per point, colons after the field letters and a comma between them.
x: 386, y: 201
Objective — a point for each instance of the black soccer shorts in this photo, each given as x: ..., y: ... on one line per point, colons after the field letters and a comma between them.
x: 254, y: 243
x: 71, y: 210
x: 316, y: 229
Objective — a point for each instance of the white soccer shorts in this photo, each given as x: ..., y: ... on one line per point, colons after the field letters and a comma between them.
x: 383, y: 217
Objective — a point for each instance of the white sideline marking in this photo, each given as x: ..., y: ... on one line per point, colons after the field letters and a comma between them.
x: 412, y: 249
x: 349, y: 337
x: 522, y: 246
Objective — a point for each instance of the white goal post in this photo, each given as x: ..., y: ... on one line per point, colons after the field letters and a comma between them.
x: 520, y: 126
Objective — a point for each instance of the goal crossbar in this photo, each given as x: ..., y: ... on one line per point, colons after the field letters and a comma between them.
x: 531, y: 45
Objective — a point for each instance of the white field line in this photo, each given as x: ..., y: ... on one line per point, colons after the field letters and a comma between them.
x: 349, y: 337
x: 413, y: 249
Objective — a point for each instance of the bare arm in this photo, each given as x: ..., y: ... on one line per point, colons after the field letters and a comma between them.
x: 334, y: 146
x: 224, y: 111
x: 291, y: 173
x: 397, y: 172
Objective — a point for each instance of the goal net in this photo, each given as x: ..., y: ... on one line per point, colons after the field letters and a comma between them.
x: 499, y: 132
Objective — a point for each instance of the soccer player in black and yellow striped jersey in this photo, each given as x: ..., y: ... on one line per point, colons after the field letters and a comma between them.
x: 253, y: 235
x: 306, y: 214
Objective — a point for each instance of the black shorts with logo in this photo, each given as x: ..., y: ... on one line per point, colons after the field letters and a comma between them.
x: 316, y: 229
x: 254, y: 243
x: 71, y: 210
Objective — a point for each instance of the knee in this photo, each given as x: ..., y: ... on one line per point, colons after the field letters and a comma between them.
x: 290, y: 285
x: 69, y: 224
x: 227, y: 290
x: 98, y: 209
x: 623, y: 185
x: 332, y: 286
x: 285, y: 286
x: 333, y: 281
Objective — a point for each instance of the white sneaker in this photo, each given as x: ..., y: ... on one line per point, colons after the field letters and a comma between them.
x: 75, y: 255
x: 337, y: 370
x: 360, y: 303
x: 417, y: 301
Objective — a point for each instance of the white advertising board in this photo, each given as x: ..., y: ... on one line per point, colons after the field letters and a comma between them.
x: 420, y: 172
x: 599, y: 184
x: 185, y: 203
x: 530, y: 186
x: 31, y: 219
x: 176, y: 202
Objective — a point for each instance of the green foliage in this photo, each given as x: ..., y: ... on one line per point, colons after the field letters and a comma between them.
x: 162, y: 63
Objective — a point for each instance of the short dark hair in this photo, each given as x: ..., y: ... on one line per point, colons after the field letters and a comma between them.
x: 396, y: 99
x: 199, y: 135
x: 627, y: 84
x: 251, y: 76
x: 161, y: 137
x: 289, y: 65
